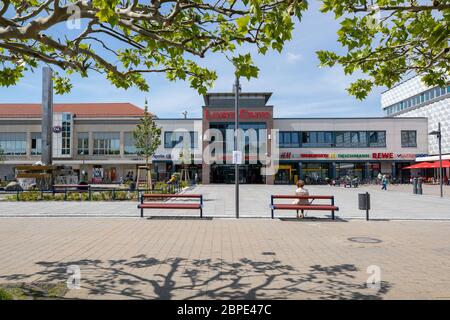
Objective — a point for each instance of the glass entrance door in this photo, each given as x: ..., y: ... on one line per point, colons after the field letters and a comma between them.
x: 248, y: 174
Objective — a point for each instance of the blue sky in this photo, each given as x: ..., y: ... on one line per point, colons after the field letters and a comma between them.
x: 300, y: 88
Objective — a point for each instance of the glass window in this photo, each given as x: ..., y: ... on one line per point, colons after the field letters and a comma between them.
x: 409, y: 138
x: 317, y: 139
x: 36, y: 143
x: 106, y: 142
x: 351, y: 139
x: 289, y: 139
x: 129, y: 144
x: 377, y: 138
x: 172, y: 138
x: 65, y: 133
x: 83, y: 143
x: 437, y: 92
x: 13, y: 143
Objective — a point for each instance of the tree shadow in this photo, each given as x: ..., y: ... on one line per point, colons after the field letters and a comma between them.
x: 142, y: 277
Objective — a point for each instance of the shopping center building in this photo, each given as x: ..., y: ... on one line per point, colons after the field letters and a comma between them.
x: 413, y: 98
x: 96, y: 141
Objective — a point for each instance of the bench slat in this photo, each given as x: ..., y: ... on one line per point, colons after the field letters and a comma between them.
x: 158, y: 195
x: 286, y: 196
x: 170, y: 206
x: 305, y: 207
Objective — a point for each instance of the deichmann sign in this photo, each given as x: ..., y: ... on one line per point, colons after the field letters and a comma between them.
x: 374, y: 155
x: 243, y: 114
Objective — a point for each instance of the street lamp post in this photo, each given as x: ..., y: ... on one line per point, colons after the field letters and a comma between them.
x: 438, y: 134
x: 237, y: 89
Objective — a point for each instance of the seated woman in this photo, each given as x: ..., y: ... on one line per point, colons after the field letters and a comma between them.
x: 301, y: 191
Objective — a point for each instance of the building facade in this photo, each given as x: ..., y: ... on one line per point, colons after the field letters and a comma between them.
x: 96, y: 141
x: 413, y: 98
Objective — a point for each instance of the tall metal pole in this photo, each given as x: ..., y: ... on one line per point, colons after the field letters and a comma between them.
x: 47, y: 115
x: 236, y: 128
x: 441, y: 183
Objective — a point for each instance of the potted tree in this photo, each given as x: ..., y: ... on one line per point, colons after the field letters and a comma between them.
x: 147, y: 138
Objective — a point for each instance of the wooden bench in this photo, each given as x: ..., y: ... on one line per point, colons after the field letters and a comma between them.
x: 302, y: 207
x: 170, y: 205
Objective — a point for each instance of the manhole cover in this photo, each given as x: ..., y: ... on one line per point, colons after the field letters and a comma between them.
x: 364, y: 240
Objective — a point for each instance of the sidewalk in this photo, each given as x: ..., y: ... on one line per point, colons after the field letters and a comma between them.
x: 229, y: 259
x: 254, y: 203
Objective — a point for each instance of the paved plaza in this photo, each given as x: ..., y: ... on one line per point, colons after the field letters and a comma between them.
x: 123, y: 256
x: 396, y: 203
x: 131, y: 258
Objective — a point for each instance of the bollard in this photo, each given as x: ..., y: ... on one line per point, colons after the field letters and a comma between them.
x: 415, y: 181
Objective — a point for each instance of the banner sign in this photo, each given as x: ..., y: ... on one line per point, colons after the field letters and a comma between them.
x: 229, y: 115
x: 344, y: 156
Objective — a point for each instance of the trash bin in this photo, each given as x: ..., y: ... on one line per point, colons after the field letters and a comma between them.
x: 364, y: 203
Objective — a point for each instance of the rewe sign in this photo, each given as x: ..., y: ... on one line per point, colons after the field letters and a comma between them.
x: 243, y: 114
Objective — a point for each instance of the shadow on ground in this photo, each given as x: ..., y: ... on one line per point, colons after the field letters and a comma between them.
x: 313, y: 219
x: 142, y: 277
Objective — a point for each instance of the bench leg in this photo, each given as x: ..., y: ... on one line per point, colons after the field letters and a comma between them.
x: 272, y: 213
x: 201, y: 213
x: 332, y: 214
x: 142, y: 213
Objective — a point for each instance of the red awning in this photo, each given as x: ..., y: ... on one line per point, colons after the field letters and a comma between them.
x: 420, y: 165
x: 445, y: 164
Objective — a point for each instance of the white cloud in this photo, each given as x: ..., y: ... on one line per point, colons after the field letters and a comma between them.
x: 293, y: 57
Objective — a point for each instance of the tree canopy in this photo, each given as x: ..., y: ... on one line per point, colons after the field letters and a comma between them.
x: 124, y: 39
x: 389, y: 40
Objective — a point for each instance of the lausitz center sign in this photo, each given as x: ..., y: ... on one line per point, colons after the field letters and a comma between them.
x: 243, y: 114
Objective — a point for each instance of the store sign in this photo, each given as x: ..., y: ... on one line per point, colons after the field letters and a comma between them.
x: 244, y: 114
x: 237, y: 157
x: 57, y: 129
x: 167, y: 156
x: 383, y: 155
x: 375, y: 155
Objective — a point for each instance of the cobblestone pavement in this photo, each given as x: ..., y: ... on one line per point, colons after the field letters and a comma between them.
x: 396, y: 203
x: 228, y: 258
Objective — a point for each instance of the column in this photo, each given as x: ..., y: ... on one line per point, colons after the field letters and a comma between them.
x: 333, y: 170
x: 206, y: 169
x: 91, y: 143
x: 28, y: 149
x: 367, y: 167
x: 122, y: 144
x: 300, y: 173
x: 394, y: 171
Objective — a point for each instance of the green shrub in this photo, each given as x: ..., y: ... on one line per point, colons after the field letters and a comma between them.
x: 5, y: 295
x: 30, y: 196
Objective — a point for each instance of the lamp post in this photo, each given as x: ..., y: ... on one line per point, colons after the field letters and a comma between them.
x: 438, y: 134
x: 236, y: 159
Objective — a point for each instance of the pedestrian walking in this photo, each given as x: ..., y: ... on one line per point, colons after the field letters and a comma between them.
x: 384, y: 182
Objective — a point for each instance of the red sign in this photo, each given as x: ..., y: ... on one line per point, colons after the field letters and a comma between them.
x: 243, y: 114
x: 314, y: 155
x: 383, y: 155
x: 285, y: 155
